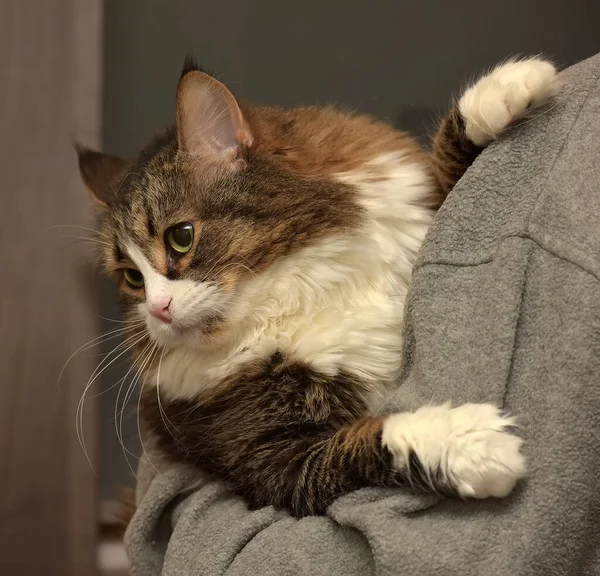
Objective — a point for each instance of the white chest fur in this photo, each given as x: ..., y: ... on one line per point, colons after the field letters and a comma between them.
x: 334, y: 306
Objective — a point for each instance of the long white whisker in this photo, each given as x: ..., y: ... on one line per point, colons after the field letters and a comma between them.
x: 138, y: 418
x: 213, y: 267
x: 234, y: 264
x: 92, y: 379
x: 163, y: 414
x: 96, y: 342
x: 122, y: 321
x: 94, y: 240
x: 123, y: 380
x: 98, y: 370
x: 245, y: 260
x: 97, y: 232
x: 136, y: 378
x: 146, y: 361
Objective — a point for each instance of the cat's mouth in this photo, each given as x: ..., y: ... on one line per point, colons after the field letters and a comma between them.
x: 185, y: 331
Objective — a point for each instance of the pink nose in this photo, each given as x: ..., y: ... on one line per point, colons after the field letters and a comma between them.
x: 160, y: 309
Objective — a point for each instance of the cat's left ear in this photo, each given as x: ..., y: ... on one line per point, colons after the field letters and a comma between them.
x: 101, y: 173
x: 210, y: 124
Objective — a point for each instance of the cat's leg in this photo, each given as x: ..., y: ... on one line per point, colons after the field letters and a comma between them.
x: 468, y: 451
x: 487, y: 108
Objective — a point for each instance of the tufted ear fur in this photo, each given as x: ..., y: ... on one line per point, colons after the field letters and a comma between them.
x: 100, y: 173
x: 210, y: 124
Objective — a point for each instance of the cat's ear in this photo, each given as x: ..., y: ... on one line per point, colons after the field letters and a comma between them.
x: 210, y: 124
x: 99, y: 173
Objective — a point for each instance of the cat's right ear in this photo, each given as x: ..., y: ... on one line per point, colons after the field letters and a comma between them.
x: 210, y: 123
x: 99, y: 173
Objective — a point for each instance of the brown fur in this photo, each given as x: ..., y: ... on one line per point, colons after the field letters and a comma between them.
x: 281, y: 434
x: 452, y: 152
x: 323, y: 142
x: 278, y: 432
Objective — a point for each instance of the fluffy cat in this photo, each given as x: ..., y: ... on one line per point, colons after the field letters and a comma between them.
x: 266, y: 254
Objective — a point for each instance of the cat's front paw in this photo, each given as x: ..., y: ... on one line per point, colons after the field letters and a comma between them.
x: 504, y: 96
x: 483, y: 456
x: 468, y: 449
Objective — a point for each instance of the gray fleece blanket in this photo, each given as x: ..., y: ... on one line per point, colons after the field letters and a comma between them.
x: 504, y: 308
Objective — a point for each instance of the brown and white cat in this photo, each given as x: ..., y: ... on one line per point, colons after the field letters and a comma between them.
x: 267, y: 254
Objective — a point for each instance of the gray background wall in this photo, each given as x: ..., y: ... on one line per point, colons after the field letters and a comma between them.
x: 398, y: 60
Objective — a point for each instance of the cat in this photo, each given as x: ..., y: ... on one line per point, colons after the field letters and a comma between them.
x: 265, y: 255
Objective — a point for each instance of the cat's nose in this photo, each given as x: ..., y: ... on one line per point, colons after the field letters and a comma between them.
x: 160, y: 309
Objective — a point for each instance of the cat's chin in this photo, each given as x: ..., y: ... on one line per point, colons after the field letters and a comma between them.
x: 183, y: 334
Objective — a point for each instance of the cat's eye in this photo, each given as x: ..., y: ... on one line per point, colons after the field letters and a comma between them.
x: 181, y: 237
x: 134, y: 277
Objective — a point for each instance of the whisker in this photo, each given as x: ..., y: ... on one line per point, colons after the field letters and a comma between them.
x: 97, y: 372
x: 161, y: 411
x: 121, y: 321
x: 97, y: 232
x: 95, y: 342
x: 123, y: 380
x: 86, y: 239
x: 127, y: 344
x: 245, y: 260
x: 138, y: 418
x: 111, y: 386
x: 231, y: 265
x: 213, y: 267
x: 151, y: 346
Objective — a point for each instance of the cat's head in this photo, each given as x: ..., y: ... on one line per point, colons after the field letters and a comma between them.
x: 189, y: 227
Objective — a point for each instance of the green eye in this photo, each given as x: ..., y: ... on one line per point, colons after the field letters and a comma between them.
x: 133, y: 277
x: 181, y: 237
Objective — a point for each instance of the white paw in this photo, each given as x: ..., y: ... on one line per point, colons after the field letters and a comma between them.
x: 469, y: 447
x: 504, y: 96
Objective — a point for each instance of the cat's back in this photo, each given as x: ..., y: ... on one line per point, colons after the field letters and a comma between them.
x: 324, y: 142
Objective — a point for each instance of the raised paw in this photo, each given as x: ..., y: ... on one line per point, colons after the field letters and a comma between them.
x: 469, y: 450
x: 504, y: 96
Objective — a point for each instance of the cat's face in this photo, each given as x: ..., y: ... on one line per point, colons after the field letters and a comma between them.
x: 174, y: 248
x: 191, y: 225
